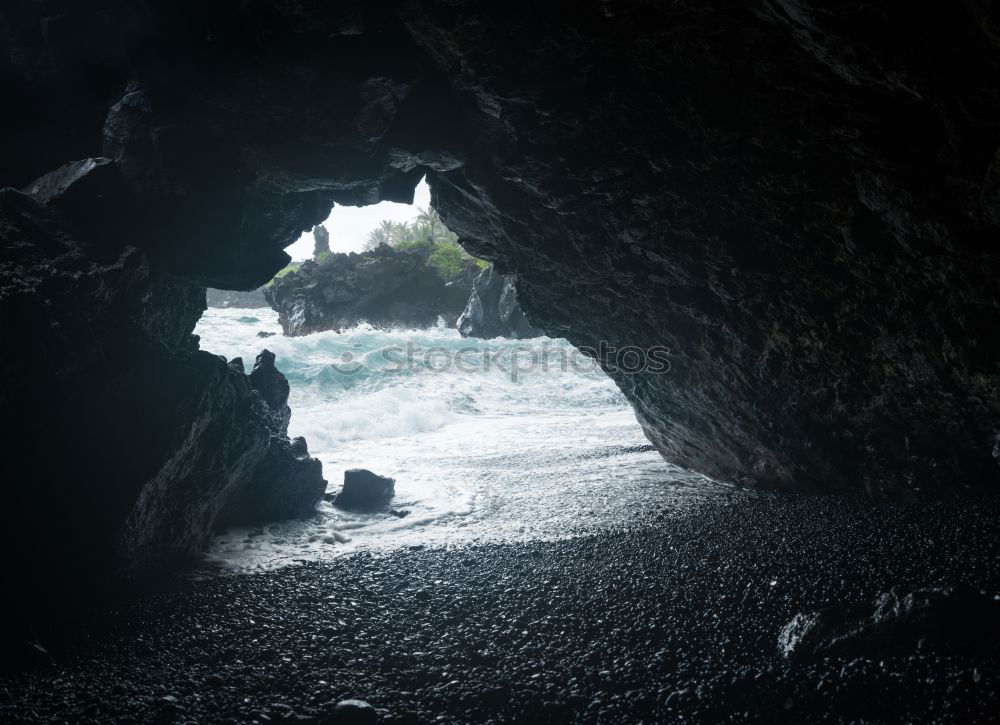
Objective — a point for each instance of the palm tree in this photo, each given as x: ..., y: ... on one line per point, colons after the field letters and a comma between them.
x: 382, y: 234
x: 401, y: 232
x: 436, y: 230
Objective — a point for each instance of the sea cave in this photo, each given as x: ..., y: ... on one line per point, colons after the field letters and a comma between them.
x: 655, y: 379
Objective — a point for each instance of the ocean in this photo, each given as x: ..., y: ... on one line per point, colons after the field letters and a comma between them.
x: 488, y: 440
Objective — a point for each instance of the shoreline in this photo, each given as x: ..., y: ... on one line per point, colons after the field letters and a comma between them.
x: 657, y: 621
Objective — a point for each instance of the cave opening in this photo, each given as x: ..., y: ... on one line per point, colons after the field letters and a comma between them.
x: 386, y: 372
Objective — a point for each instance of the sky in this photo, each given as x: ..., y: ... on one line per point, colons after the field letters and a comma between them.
x: 349, y: 225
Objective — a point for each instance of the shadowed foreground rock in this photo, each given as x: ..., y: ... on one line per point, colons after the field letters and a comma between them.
x: 961, y: 620
x: 493, y: 310
x: 128, y: 441
x: 288, y: 483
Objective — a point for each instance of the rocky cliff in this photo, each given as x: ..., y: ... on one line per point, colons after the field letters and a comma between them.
x: 799, y: 199
x: 384, y: 287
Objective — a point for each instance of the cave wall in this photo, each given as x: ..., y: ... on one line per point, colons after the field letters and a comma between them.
x: 800, y: 200
x: 121, y: 443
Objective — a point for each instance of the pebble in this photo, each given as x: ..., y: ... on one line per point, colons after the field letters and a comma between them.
x: 663, y: 621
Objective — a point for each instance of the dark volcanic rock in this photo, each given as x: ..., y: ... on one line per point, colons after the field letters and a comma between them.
x: 235, y: 298
x: 959, y: 619
x: 123, y: 441
x: 287, y: 484
x: 365, y: 490
x: 355, y: 712
x: 493, y: 310
x: 799, y: 200
x: 668, y: 623
x: 808, y: 235
x: 91, y: 194
x: 272, y: 387
x: 384, y: 287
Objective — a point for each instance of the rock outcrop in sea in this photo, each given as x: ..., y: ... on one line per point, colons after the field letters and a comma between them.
x: 385, y: 287
x: 493, y: 310
x: 321, y: 242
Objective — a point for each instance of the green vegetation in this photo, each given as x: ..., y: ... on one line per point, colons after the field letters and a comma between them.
x: 293, y: 267
x: 447, y: 259
x: 426, y: 233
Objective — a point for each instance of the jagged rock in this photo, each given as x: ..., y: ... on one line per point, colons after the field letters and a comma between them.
x: 272, y: 387
x: 365, y: 490
x: 154, y: 437
x: 235, y: 299
x: 493, y: 311
x: 384, y: 287
x: 286, y: 484
x: 958, y: 618
x: 321, y: 239
x: 91, y: 194
x: 265, y: 334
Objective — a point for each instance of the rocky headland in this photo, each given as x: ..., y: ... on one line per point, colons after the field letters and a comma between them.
x: 384, y: 287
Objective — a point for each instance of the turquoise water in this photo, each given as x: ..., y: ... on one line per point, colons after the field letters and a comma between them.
x: 487, y: 440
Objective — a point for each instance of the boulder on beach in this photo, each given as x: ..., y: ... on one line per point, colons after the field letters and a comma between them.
x: 365, y: 490
x: 355, y: 712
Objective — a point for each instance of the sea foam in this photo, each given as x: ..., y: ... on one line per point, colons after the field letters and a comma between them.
x: 478, y: 453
